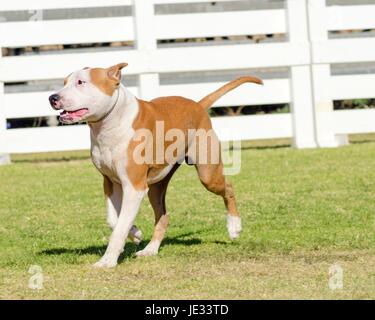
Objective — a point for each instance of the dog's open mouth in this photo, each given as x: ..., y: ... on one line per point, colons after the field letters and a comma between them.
x: 73, y: 115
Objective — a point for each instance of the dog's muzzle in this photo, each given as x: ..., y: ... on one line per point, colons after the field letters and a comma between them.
x: 55, y: 101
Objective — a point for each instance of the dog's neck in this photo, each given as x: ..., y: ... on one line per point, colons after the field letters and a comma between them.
x: 121, y: 115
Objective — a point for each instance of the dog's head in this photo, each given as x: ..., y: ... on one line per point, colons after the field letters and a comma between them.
x: 88, y: 94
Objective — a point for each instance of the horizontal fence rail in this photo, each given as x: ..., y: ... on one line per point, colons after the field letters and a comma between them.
x: 76, y: 137
x: 274, y: 91
x: 21, y: 5
x: 211, y: 24
x: 57, y: 32
x: 350, y: 17
x: 206, y: 58
x: 307, y: 49
x: 96, y: 30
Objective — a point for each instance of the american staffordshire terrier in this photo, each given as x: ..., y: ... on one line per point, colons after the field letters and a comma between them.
x: 134, y: 164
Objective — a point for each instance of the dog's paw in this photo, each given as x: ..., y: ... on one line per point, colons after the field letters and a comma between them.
x: 146, y: 253
x: 106, y: 262
x: 233, y: 226
x: 151, y: 249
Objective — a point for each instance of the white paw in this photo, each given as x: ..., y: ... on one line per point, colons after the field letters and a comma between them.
x: 146, y: 253
x: 106, y: 262
x: 150, y: 250
x: 233, y: 226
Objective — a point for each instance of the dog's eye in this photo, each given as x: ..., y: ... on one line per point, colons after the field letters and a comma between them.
x: 81, y: 82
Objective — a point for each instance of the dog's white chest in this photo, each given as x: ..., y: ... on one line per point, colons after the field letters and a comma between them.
x: 110, y: 140
x: 102, y: 159
x: 110, y: 158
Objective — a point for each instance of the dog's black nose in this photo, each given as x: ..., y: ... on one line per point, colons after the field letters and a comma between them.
x: 54, y: 99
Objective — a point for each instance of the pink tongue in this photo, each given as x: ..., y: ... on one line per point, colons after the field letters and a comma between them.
x: 78, y: 113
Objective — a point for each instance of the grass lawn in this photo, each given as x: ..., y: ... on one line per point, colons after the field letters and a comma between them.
x: 303, y: 210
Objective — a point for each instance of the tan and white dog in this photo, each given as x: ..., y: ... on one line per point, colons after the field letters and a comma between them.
x: 115, y: 115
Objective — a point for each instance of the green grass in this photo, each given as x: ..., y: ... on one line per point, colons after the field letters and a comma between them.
x: 302, y: 210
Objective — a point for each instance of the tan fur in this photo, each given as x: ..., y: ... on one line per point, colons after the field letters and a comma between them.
x: 176, y: 112
x: 100, y: 79
x: 66, y: 79
x: 156, y: 195
x: 209, y: 100
x: 108, y: 187
x: 107, y: 80
x: 184, y: 114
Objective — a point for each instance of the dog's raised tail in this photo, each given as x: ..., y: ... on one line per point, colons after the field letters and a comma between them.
x: 209, y: 100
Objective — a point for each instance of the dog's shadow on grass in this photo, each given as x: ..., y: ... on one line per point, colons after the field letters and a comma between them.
x: 129, y: 250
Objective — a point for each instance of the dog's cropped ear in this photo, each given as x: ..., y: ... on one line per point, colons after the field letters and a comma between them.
x: 67, y: 78
x: 114, y: 72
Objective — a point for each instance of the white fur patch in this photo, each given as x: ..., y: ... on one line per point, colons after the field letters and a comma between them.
x: 234, y: 226
x: 132, y: 199
x: 114, y: 205
x: 86, y: 96
x: 151, y: 249
x: 107, y: 261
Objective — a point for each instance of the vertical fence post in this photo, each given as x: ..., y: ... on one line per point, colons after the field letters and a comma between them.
x: 4, y: 157
x: 145, y: 43
x: 302, y: 107
x: 321, y: 74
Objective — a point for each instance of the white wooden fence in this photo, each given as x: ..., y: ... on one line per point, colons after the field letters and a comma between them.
x: 308, y: 53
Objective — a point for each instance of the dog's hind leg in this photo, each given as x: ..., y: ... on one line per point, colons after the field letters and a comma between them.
x: 156, y: 195
x: 212, y: 177
x: 113, y: 199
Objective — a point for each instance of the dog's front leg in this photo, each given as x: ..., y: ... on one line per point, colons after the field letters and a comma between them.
x: 113, y: 199
x: 131, y: 200
x: 113, y: 196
